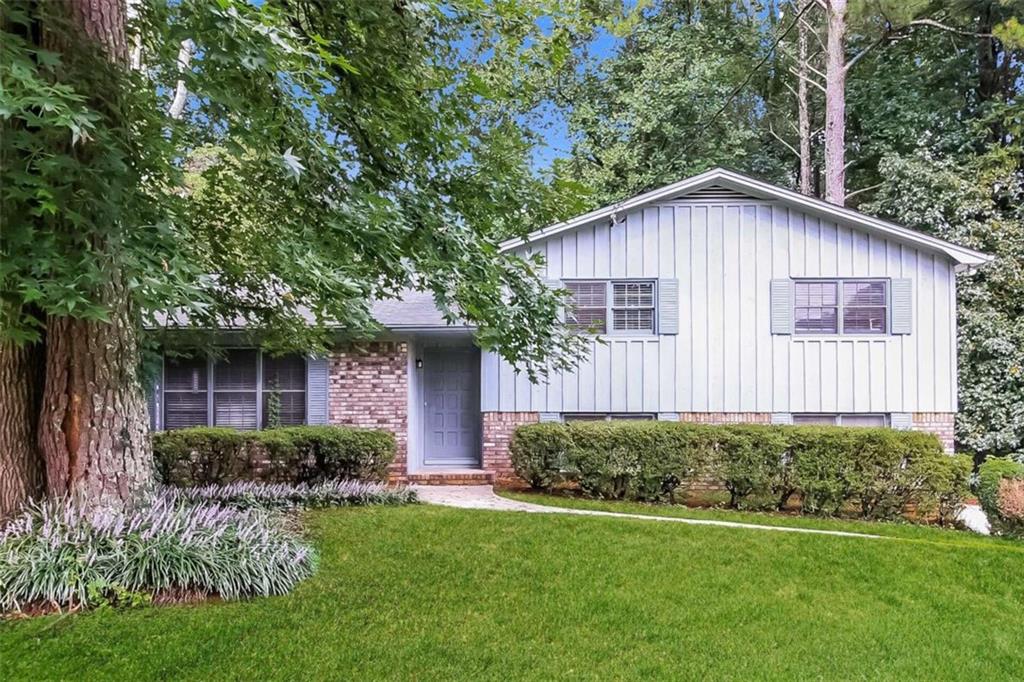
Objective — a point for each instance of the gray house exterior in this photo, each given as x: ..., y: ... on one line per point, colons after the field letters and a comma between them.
x: 718, y: 299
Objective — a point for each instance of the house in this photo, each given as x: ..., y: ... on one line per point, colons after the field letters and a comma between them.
x: 717, y: 299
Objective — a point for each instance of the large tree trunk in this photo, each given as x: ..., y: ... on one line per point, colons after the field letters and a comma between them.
x: 21, y: 467
x: 835, y: 104
x: 803, y: 109
x: 94, y: 426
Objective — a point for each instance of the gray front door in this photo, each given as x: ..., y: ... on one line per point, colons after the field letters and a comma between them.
x: 451, y: 390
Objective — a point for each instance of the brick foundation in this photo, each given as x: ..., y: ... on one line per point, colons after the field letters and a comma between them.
x: 497, y: 434
x: 369, y: 387
x: 939, y: 423
x: 726, y: 417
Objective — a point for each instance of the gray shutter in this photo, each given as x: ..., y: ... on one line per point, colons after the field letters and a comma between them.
x: 668, y: 306
x: 556, y: 284
x: 902, y: 306
x: 901, y: 421
x: 782, y: 418
x: 550, y: 417
x: 316, y: 390
x: 782, y: 306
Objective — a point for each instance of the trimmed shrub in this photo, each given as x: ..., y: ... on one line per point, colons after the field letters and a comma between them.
x: 56, y: 554
x: 250, y: 494
x: 876, y: 473
x: 295, y: 454
x: 1000, y: 490
x: 750, y: 462
x: 539, y: 454
x: 638, y: 460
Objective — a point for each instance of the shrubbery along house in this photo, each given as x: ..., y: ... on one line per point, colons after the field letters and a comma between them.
x: 717, y: 299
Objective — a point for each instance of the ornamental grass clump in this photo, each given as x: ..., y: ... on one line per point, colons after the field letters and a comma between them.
x: 57, y: 555
x: 336, y: 493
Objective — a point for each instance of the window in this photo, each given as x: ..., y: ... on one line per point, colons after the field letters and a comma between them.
x: 862, y: 307
x: 873, y: 420
x: 604, y: 417
x: 242, y: 389
x: 589, y: 309
x: 185, y: 392
x: 617, y: 306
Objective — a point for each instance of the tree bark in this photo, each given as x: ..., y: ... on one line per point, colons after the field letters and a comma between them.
x: 835, y: 104
x: 94, y: 424
x: 21, y: 466
x: 803, y: 110
x: 94, y: 428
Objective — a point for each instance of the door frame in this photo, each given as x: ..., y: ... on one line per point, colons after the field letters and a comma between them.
x: 417, y: 445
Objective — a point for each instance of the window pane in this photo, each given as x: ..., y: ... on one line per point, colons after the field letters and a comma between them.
x: 815, y: 294
x: 862, y: 420
x: 864, y: 293
x: 816, y: 320
x: 588, y: 309
x: 584, y: 417
x: 236, y: 371
x: 633, y: 294
x: 185, y: 374
x: 814, y: 419
x: 628, y: 319
x: 864, y: 320
x: 291, y: 408
x: 286, y: 373
x: 184, y: 409
x: 236, y: 409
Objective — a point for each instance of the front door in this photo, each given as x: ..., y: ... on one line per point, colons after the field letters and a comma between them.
x: 451, y: 390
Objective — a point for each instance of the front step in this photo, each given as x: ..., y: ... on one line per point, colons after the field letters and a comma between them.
x: 457, y: 477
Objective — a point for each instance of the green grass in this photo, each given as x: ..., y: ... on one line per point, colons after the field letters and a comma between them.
x: 433, y: 593
x: 905, y: 530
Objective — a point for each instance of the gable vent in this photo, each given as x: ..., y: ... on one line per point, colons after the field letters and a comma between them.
x: 716, y: 193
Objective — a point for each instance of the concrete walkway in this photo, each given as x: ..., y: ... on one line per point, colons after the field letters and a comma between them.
x: 483, y: 497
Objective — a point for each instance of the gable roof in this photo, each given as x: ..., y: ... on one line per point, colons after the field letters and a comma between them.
x: 725, y: 180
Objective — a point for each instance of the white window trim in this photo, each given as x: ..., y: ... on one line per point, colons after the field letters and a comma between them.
x: 840, y: 331
x: 610, y: 308
x: 210, y: 390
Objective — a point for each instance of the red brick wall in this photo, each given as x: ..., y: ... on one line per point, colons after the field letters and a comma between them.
x: 939, y: 423
x: 726, y: 417
x: 497, y: 433
x: 369, y: 387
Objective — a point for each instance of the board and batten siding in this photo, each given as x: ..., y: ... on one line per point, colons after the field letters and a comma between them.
x: 724, y: 357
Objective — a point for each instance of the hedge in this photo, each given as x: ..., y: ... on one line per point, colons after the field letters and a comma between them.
x: 294, y: 454
x: 875, y: 473
x: 1001, y: 494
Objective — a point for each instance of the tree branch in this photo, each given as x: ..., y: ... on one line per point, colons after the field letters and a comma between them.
x: 863, y: 189
x: 785, y: 144
x: 809, y: 80
x: 951, y: 29
x: 180, y: 91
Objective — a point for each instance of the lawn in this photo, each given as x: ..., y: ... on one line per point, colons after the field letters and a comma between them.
x: 435, y: 593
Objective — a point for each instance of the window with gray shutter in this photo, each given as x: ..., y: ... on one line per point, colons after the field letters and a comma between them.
x: 234, y: 389
x: 284, y: 391
x: 588, y: 308
x: 185, y: 393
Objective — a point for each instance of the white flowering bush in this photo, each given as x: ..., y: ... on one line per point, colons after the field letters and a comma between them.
x: 230, y: 541
x: 56, y: 554
x: 336, y: 493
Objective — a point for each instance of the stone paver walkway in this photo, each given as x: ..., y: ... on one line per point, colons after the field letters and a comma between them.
x: 483, y: 497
